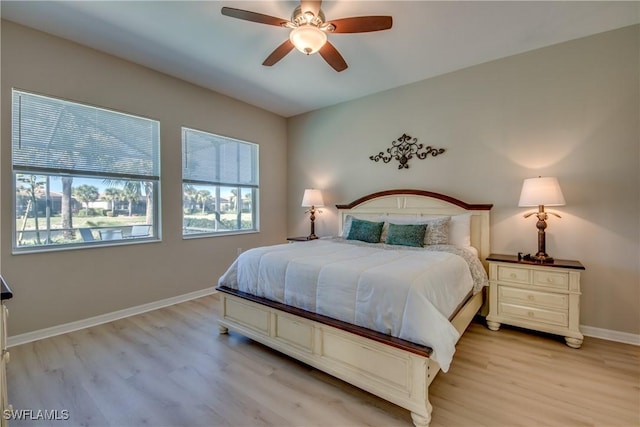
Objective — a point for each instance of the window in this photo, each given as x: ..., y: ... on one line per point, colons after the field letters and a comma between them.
x: 82, y: 175
x: 219, y: 184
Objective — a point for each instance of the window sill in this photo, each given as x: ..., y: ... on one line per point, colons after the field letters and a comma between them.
x: 96, y: 244
x: 218, y: 234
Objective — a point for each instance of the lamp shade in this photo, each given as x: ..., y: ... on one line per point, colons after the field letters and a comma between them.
x: 543, y: 191
x: 312, y: 197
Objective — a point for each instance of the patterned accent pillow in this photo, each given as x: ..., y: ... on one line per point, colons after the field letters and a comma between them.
x: 406, y: 234
x: 437, y: 231
x: 438, y: 228
x: 366, y: 231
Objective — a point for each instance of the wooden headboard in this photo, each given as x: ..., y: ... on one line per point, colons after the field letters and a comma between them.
x: 420, y: 203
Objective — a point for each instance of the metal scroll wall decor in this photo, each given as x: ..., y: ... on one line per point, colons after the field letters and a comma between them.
x: 404, y: 149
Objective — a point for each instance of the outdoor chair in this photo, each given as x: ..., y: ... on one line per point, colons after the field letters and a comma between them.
x: 140, y: 231
x: 111, y: 234
x: 87, y: 235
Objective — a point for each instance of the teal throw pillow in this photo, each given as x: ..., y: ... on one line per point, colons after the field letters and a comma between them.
x: 366, y: 231
x: 406, y: 234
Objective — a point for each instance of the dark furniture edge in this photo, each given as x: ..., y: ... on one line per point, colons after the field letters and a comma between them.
x: 467, y: 206
x: 347, y: 327
x: 558, y: 263
x: 5, y: 290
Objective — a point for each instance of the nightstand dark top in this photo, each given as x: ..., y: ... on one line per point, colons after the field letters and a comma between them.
x: 5, y: 291
x: 558, y: 263
x: 299, y: 239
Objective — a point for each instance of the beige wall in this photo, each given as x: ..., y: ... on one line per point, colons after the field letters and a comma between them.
x: 570, y: 110
x: 55, y: 288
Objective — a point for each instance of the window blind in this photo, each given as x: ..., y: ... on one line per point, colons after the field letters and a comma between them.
x: 218, y: 160
x: 55, y: 136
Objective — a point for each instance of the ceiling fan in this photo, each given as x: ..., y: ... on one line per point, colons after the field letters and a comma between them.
x: 309, y: 30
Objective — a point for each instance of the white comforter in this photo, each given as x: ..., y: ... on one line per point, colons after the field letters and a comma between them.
x: 408, y: 294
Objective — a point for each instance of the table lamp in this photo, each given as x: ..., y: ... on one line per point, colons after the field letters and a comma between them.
x: 541, y: 192
x: 312, y: 198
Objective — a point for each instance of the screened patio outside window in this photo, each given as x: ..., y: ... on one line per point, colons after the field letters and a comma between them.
x: 81, y: 173
x: 220, y: 184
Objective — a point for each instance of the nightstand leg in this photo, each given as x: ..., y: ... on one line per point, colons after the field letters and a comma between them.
x: 421, y: 420
x: 573, y: 342
x: 494, y: 326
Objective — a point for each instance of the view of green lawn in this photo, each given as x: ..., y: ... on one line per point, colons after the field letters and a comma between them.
x: 82, y: 222
x: 197, y: 222
x: 216, y: 222
x: 27, y: 236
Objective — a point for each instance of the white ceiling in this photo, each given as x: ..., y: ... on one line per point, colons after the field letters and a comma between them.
x: 193, y: 41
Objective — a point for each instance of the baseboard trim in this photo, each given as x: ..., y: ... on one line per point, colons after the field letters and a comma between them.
x: 609, y: 335
x: 104, y: 318
x: 589, y: 331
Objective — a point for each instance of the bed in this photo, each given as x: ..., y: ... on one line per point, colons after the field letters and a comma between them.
x: 394, y: 363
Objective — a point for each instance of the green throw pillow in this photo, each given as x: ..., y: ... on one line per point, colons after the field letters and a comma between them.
x: 366, y: 231
x: 406, y: 234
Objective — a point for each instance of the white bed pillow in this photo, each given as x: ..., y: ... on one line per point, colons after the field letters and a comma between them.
x: 460, y: 230
x: 346, y: 227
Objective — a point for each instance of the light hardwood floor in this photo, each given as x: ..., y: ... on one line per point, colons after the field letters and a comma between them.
x: 170, y: 367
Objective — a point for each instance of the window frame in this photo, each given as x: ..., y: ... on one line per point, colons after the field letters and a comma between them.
x: 219, y: 184
x: 155, y: 156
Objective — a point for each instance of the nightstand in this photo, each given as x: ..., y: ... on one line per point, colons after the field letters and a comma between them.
x: 299, y: 239
x: 532, y: 295
x: 5, y: 294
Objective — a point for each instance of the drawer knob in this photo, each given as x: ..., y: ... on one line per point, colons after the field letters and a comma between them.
x: 530, y: 313
x: 550, y: 279
x: 512, y: 275
x: 531, y: 298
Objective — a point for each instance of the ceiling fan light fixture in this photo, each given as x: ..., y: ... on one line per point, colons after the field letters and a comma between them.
x: 308, y: 39
x: 309, y: 30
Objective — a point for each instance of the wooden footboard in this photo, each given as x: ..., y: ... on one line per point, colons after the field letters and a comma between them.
x: 394, y: 370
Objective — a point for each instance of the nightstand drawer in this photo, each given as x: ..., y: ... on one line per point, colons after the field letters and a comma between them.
x: 541, y: 299
x: 551, y: 279
x: 513, y: 274
x: 532, y: 314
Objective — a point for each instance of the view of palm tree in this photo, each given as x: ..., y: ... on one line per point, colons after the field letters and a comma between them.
x: 32, y: 186
x: 211, y: 208
x: 50, y: 209
x: 113, y: 195
x: 86, y: 194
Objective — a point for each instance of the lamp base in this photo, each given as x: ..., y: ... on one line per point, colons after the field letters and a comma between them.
x: 542, y: 258
x: 312, y: 237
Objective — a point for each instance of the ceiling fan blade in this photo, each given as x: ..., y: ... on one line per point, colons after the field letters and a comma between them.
x: 333, y: 57
x: 280, y: 52
x: 253, y: 16
x: 312, y: 6
x: 362, y: 24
